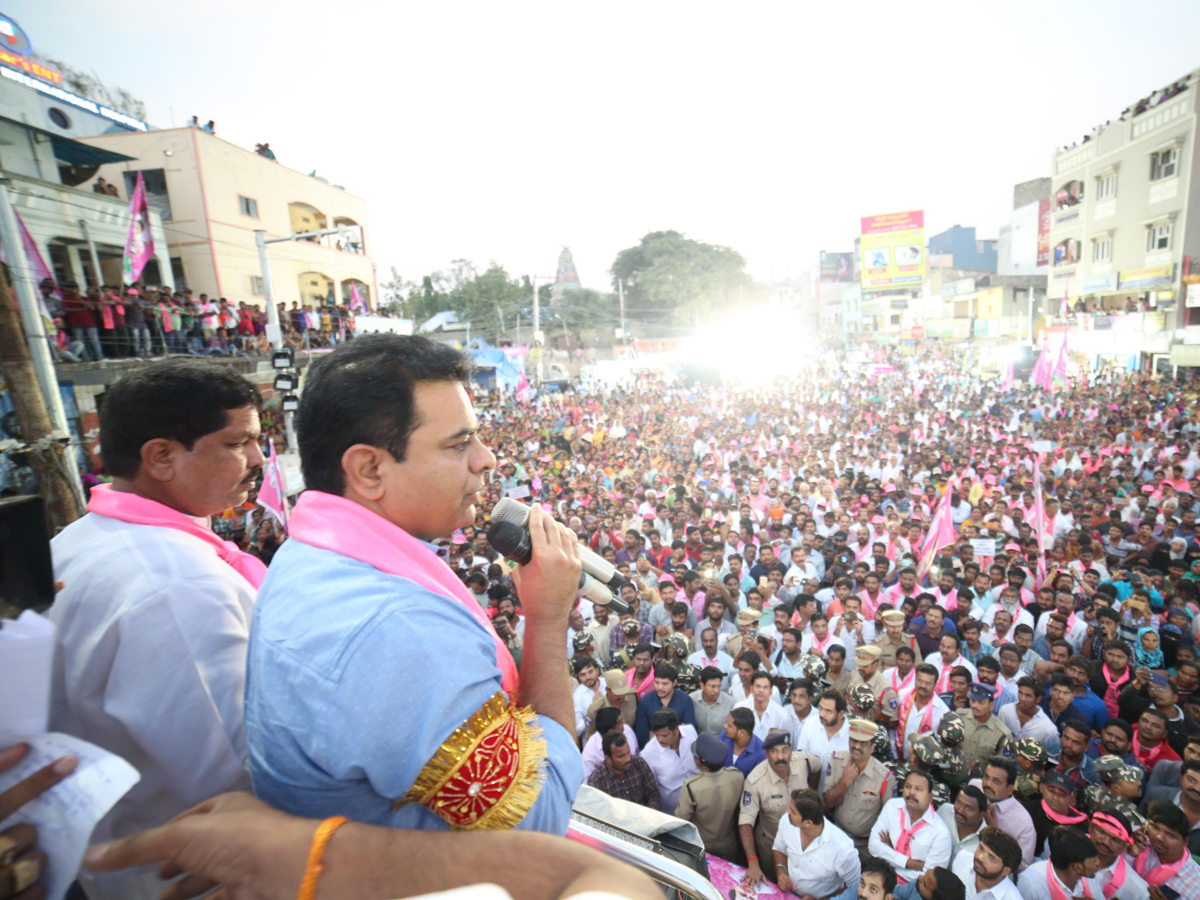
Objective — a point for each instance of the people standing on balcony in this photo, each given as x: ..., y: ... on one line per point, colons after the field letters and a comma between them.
x: 81, y: 313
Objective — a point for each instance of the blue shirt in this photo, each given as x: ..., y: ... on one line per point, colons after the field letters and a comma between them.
x: 355, y: 678
x: 650, y: 704
x: 751, y: 756
x: 907, y: 891
x: 1093, y: 709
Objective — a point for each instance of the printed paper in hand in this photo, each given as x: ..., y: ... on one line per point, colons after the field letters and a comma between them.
x: 66, y: 814
x: 26, y: 657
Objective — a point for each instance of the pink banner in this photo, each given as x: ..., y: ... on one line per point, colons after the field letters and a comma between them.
x: 139, y: 244
x: 356, y: 301
x: 272, y: 496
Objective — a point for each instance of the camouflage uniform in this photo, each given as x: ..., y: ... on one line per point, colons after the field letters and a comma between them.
x: 1098, y: 798
x: 689, y: 675
x: 862, y: 702
x: 815, y: 669
x: 1029, y: 783
x: 954, y: 768
x: 927, y: 756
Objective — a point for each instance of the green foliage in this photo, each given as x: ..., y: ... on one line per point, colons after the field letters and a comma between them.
x: 672, y: 278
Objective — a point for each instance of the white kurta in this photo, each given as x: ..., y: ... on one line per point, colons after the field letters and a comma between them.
x: 150, y: 665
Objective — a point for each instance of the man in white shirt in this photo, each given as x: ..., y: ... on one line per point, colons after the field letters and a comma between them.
x: 921, y: 711
x: 964, y: 819
x: 154, y: 614
x: 1072, y: 859
x: 987, y: 870
x: 1076, y: 629
x: 813, y: 857
x: 768, y: 716
x: 1111, y: 834
x: 908, y: 835
x: 800, y: 710
x: 588, y: 672
x: 709, y: 655
x: 945, y: 661
x: 830, y: 731
x: 1026, y: 718
x: 669, y: 755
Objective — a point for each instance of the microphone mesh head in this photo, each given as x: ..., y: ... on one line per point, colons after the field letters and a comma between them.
x: 510, y: 510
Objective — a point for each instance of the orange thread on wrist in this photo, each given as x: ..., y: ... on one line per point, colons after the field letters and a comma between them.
x: 312, y: 871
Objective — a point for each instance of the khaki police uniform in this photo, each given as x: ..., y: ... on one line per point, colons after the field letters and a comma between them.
x: 628, y: 710
x: 984, y: 741
x: 710, y: 800
x: 886, y: 701
x: 887, y: 649
x: 864, y: 799
x: 765, y: 800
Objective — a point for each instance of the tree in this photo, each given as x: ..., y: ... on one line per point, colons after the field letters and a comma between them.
x: 672, y: 278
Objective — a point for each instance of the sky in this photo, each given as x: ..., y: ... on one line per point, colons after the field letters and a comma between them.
x: 505, y: 132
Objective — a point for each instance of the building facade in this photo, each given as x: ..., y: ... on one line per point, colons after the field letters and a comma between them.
x: 957, y: 248
x: 1123, y: 233
x: 213, y: 195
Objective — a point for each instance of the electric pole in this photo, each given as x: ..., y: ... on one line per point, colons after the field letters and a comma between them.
x: 621, y: 296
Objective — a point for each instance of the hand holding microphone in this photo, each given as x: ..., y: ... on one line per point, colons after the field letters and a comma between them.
x: 547, y: 582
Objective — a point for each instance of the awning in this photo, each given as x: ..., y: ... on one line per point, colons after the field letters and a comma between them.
x: 70, y: 151
x: 73, y: 153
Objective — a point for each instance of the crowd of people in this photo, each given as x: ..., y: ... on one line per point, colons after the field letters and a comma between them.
x: 111, y: 322
x: 892, y: 630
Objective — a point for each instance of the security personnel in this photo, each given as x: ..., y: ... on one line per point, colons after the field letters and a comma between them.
x: 954, y: 767
x: 618, y: 694
x: 866, y: 671
x: 984, y: 735
x: 855, y: 785
x: 765, y: 798
x: 1032, y: 759
x: 675, y: 650
x: 710, y: 799
x: 747, y: 639
x: 860, y: 704
x: 894, y: 636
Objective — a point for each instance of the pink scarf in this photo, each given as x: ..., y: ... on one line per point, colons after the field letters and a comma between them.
x: 1113, y: 689
x: 342, y: 526
x: 908, y: 679
x: 1111, y: 825
x: 1161, y: 873
x: 904, y: 841
x: 1056, y: 889
x: 645, y: 686
x: 943, y: 684
x: 139, y: 510
x: 925, y: 725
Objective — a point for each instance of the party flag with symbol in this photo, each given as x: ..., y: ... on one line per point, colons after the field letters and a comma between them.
x: 272, y: 496
x: 139, y: 243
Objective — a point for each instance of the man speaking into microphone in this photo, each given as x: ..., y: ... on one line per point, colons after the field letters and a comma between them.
x: 376, y: 687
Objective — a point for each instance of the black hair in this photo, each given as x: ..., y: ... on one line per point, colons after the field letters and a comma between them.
x: 364, y: 392
x: 1077, y: 725
x: 1069, y: 846
x: 908, y: 651
x: 926, y: 669
x: 613, y: 739
x: 954, y: 637
x: 980, y: 798
x: 874, y: 866
x: 606, y: 719
x: 839, y: 702
x: 708, y: 673
x: 987, y: 662
x: 181, y: 400
x: 802, y: 683
x: 760, y: 674
x: 743, y: 719
x: 1003, y: 762
x: 1124, y: 727
x: 664, y: 718
x: 1004, y: 845
x: 666, y: 670
x: 947, y: 885
x: 928, y: 778
x: 641, y: 648
x: 809, y: 806
x: 584, y: 662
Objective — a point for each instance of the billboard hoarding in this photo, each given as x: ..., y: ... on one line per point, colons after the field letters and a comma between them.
x: 836, y: 267
x: 1043, y: 232
x: 893, y: 251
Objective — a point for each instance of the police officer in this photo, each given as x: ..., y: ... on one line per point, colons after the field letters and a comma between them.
x: 710, y: 799
x: 867, y: 671
x: 623, y: 658
x: 765, y: 799
x: 855, y: 785
x: 747, y: 639
x: 984, y: 735
x: 894, y: 636
x: 618, y: 694
x: 861, y: 705
x: 1032, y: 759
x: 1118, y: 791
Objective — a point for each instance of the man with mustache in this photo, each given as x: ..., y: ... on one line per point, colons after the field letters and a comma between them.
x: 988, y: 870
x: 854, y: 784
x: 154, y: 611
x: 353, y: 705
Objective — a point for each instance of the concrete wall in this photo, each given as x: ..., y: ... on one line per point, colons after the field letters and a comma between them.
x: 960, y: 244
x: 208, y: 230
x: 1023, y: 240
x: 1030, y: 191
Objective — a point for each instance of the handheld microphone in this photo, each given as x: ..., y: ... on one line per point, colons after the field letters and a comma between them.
x: 513, y: 542
x: 510, y: 510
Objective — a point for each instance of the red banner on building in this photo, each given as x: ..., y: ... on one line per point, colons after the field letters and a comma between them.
x: 1043, y: 251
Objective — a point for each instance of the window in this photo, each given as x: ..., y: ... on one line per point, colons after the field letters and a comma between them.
x: 1158, y: 237
x: 1163, y: 163
x: 1066, y: 252
x: 1102, y: 250
x: 1106, y: 186
x: 58, y: 117
x: 248, y: 207
x: 178, y: 274
x: 256, y: 285
x: 155, y: 182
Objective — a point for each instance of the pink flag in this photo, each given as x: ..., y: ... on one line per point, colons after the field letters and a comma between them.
x: 941, y: 532
x: 522, y: 388
x: 1037, y: 518
x: 139, y: 244
x: 1058, y: 378
x: 1006, y: 381
x: 273, y: 495
x: 1042, y: 369
x: 356, y: 301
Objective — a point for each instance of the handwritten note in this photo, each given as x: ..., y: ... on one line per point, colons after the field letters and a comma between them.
x: 26, y: 658
x: 66, y: 814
